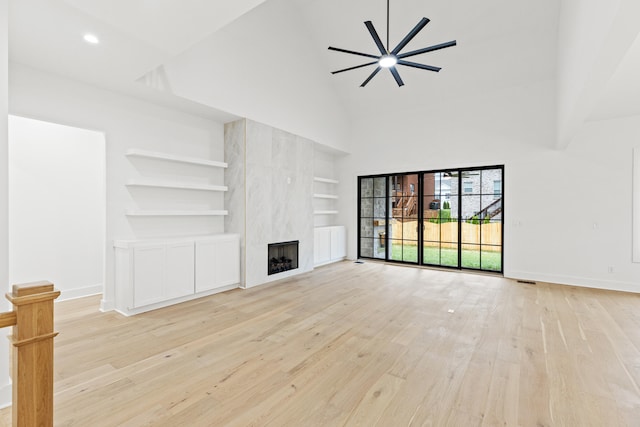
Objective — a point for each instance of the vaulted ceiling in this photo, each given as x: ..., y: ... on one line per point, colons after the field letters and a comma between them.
x: 281, y: 45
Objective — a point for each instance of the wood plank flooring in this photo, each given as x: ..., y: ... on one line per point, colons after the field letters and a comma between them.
x: 356, y: 345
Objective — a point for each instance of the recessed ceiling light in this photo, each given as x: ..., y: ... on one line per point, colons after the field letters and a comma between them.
x: 90, y: 38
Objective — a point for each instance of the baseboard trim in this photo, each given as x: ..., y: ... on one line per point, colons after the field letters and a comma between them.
x: 80, y: 292
x: 585, y: 282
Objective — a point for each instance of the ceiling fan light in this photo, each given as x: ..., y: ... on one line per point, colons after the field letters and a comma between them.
x: 387, y: 61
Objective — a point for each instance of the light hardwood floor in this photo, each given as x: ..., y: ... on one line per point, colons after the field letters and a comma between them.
x: 357, y: 345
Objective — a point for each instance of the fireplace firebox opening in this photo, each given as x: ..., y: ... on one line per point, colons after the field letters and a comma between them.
x: 282, y: 257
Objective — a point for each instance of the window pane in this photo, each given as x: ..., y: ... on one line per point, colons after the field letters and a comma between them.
x: 471, y: 208
x: 396, y: 250
x: 449, y: 255
x: 410, y: 230
x: 471, y: 182
x: 471, y: 256
x: 449, y: 231
x: 366, y: 187
x: 410, y: 251
x: 379, y: 208
x: 379, y: 187
x: 431, y: 230
x: 491, y: 258
x: 366, y: 208
x: 491, y: 208
x: 378, y: 247
x: 366, y: 248
x: 366, y: 227
x: 431, y: 253
x: 379, y: 234
x: 491, y: 233
x: 489, y: 178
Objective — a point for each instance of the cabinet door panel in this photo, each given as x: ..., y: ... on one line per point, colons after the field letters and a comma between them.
x: 338, y: 246
x: 180, y: 270
x: 205, y: 265
x: 322, y: 245
x: 148, y: 275
x: 227, y: 262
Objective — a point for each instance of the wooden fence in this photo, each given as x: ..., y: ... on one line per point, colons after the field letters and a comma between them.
x: 472, y: 234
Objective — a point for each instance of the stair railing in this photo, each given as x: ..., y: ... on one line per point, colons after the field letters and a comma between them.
x: 32, y: 352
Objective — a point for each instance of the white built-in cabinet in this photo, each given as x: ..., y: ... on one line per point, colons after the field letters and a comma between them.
x: 329, y: 244
x: 217, y: 263
x: 156, y: 273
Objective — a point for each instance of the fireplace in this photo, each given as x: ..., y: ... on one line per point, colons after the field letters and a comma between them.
x: 282, y: 257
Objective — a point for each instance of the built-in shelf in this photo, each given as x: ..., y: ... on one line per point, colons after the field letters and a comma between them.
x: 325, y: 196
x: 177, y: 185
x: 134, y: 152
x: 176, y: 213
x: 326, y: 180
x: 325, y: 212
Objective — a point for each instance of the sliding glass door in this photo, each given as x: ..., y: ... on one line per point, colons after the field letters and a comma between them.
x: 447, y: 218
x: 440, y: 219
x: 403, y: 221
x: 373, y: 217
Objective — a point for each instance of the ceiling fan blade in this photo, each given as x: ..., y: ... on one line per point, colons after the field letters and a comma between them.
x: 428, y: 49
x: 370, y: 77
x: 423, y: 22
x: 396, y: 76
x: 353, y: 53
x: 353, y: 68
x: 376, y: 37
x: 416, y: 65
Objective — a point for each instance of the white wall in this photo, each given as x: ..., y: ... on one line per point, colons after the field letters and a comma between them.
x: 552, y: 198
x: 56, y: 206
x: 129, y: 123
x: 274, y: 79
x: 5, y: 386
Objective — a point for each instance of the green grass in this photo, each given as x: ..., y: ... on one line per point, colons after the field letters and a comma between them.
x: 448, y: 257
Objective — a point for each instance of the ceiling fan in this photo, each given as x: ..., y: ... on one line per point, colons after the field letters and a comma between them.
x: 390, y: 58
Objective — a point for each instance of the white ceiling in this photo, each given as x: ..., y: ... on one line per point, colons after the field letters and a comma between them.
x: 502, y: 44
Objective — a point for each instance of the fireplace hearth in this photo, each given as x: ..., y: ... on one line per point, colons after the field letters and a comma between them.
x: 282, y: 257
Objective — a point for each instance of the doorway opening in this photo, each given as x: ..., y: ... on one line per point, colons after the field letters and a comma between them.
x: 57, y: 206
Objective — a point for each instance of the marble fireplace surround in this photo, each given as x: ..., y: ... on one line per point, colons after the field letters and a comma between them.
x: 270, y: 180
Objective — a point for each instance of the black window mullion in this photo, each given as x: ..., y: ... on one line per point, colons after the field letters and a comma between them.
x: 420, y: 222
x: 387, y: 219
x: 459, y: 218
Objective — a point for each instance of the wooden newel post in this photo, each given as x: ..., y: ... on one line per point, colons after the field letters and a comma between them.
x: 32, y: 356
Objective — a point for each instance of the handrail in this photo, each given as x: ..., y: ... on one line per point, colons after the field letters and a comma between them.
x: 32, y: 359
x: 8, y: 319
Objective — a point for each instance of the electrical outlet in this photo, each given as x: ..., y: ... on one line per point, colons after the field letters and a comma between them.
x: 610, y: 269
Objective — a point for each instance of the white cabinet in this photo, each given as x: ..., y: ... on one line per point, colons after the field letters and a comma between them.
x: 321, y: 245
x: 179, y: 273
x: 156, y: 273
x: 329, y: 244
x: 217, y: 263
x: 148, y: 274
x: 338, y: 243
x: 162, y: 272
